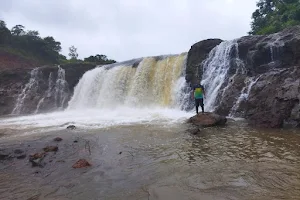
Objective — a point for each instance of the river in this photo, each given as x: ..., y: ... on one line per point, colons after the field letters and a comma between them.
x: 157, y: 159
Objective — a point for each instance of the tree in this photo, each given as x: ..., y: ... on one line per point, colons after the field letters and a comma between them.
x: 99, y: 59
x: 73, y: 52
x: 272, y: 16
x: 2, y: 24
x: 52, y: 44
x: 5, y: 35
x: 33, y: 33
x: 18, y: 30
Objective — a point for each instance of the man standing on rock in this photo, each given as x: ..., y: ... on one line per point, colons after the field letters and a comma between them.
x: 198, y: 96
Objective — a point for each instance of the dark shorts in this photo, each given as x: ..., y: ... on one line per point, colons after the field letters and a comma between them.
x: 199, y: 102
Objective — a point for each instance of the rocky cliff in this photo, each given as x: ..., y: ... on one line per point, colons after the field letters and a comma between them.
x: 41, y: 89
x: 261, y: 78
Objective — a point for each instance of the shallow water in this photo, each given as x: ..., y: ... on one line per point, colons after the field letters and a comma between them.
x: 158, y: 161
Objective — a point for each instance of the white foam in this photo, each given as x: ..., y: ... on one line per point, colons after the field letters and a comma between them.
x: 94, y: 118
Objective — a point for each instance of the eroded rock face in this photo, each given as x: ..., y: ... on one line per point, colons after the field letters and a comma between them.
x: 43, y: 97
x: 264, y: 86
x: 196, y: 55
x: 274, y: 100
x: 274, y: 61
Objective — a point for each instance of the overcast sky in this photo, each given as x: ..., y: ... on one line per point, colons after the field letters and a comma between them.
x: 126, y: 29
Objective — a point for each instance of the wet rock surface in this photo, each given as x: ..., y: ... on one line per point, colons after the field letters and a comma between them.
x: 51, y: 149
x: 36, y: 159
x: 196, y: 55
x: 272, y: 64
x: 82, y: 163
x: 71, y: 127
x: 194, y: 130
x: 57, y: 139
x: 14, y: 79
x: 207, y: 120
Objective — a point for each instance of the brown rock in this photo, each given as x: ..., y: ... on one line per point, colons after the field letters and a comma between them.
x: 207, y: 120
x: 51, y: 148
x: 36, y: 159
x: 81, y: 163
x: 37, y: 155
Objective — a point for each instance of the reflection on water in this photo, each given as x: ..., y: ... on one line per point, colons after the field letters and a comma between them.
x: 162, y: 162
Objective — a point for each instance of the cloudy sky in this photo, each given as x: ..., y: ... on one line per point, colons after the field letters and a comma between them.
x: 126, y: 29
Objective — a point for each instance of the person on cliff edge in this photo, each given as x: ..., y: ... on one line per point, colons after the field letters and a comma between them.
x: 198, y: 95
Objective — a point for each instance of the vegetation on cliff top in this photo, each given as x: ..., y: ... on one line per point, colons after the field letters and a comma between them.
x: 30, y: 45
x: 272, y: 16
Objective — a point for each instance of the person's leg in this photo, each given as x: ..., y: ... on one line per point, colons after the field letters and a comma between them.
x: 202, y: 105
x: 197, y: 105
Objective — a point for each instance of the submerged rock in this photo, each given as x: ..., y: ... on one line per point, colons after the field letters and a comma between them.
x: 57, y: 139
x: 194, y: 131
x: 207, y: 120
x: 21, y: 156
x: 51, y: 148
x: 4, y: 156
x: 18, y: 151
x: 81, y: 164
x: 71, y: 127
x: 36, y: 159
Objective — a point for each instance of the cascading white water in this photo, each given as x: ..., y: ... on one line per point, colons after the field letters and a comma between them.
x: 154, y: 83
x: 154, y: 91
x: 215, y: 72
x: 61, y: 88
x: 29, y: 89
x: 244, y: 95
x: 47, y: 93
x: 57, y: 89
x: 275, y: 46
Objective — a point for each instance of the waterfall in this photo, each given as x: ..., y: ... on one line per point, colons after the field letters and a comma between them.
x: 215, y: 72
x: 29, y: 89
x: 155, y: 82
x: 243, y: 96
x: 61, y: 88
x: 34, y: 99
x: 275, y: 46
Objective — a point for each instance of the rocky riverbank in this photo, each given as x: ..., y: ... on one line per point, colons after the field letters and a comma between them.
x: 262, y: 81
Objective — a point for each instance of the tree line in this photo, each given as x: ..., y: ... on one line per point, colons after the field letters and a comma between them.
x: 46, y: 49
x: 272, y: 16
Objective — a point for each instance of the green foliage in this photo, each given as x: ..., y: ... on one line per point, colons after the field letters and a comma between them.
x: 18, y: 30
x: 73, y: 53
x: 272, y: 16
x: 29, y: 44
x: 5, y: 35
x: 99, y: 59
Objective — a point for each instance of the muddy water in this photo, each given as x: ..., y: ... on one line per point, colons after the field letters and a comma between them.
x: 156, y: 162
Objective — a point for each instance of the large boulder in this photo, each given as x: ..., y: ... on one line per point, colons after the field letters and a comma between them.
x: 207, y: 120
x: 196, y: 55
x: 274, y: 61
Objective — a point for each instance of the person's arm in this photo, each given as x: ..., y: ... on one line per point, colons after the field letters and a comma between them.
x: 193, y: 89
